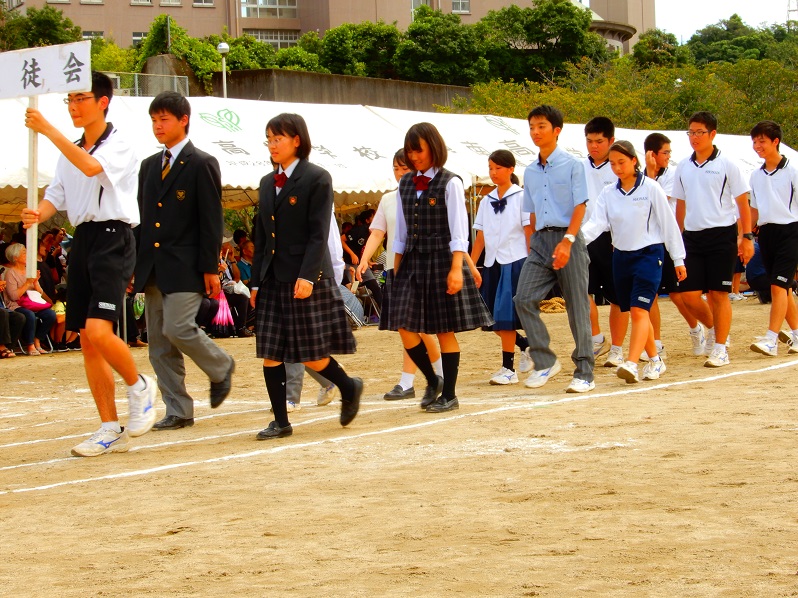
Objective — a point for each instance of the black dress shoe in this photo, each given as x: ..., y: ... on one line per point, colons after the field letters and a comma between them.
x: 220, y: 390
x: 432, y: 393
x: 443, y: 404
x: 398, y: 393
x: 350, y: 407
x: 275, y: 431
x: 172, y: 422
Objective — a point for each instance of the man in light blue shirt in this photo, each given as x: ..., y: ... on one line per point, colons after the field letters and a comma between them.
x: 555, y: 194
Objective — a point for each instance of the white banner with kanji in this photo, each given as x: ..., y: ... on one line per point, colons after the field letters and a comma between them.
x: 65, y: 68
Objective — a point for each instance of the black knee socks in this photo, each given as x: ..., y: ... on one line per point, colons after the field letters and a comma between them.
x: 521, y: 342
x: 507, y: 359
x: 451, y: 365
x: 275, y: 386
x: 336, y: 374
x: 420, y: 357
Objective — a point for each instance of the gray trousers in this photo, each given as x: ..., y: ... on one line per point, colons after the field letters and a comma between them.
x: 536, y: 280
x: 294, y: 376
x: 172, y: 333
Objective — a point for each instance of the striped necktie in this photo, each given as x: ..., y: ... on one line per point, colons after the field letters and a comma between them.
x: 167, y: 158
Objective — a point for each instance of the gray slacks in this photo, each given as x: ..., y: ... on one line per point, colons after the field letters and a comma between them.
x: 172, y: 332
x: 536, y: 280
x: 294, y: 376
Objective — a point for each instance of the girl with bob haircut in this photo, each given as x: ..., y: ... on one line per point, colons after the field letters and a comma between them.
x: 642, y: 224
x: 503, y: 232
x: 299, y: 311
x: 433, y: 290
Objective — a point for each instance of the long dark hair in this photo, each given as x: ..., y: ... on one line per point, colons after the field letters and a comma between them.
x: 506, y: 159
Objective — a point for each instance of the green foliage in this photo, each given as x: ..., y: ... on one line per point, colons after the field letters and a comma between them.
x: 246, y: 52
x: 658, y: 48
x: 107, y: 56
x: 338, y: 52
x: 242, y: 218
x: 730, y: 40
x: 297, y: 59
x: 37, y: 27
x: 366, y: 49
x: 310, y: 42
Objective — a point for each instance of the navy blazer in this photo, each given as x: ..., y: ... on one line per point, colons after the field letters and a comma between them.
x: 180, y: 235
x: 292, y: 228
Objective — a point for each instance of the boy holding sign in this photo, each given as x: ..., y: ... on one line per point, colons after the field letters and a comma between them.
x: 96, y: 182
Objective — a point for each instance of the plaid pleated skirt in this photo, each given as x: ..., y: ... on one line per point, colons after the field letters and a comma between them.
x: 415, y: 297
x: 499, y: 283
x: 300, y: 330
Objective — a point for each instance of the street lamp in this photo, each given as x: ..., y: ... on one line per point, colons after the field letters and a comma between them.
x: 223, y: 49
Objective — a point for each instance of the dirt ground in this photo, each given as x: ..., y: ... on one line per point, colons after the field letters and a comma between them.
x: 682, y: 487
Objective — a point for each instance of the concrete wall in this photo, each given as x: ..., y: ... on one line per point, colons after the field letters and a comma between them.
x: 296, y: 86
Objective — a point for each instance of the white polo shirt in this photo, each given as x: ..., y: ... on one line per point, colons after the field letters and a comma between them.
x: 503, y: 231
x: 665, y: 179
x: 385, y: 220
x: 598, y: 177
x: 709, y: 191
x: 775, y: 194
x: 79, y: 195
x: 636, y: 218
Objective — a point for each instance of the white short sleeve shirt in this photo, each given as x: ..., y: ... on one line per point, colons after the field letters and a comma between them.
x: 775, y: 194
x: 503, y: 231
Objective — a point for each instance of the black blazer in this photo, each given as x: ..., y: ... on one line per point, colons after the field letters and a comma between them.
x: 292, y: 227
x: 180, y: 235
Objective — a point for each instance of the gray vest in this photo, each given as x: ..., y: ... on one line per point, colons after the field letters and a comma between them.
x: 426, y: 215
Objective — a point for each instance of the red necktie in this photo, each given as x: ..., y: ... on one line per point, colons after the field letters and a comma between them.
x: 280, y: 179
x: 422, y: 182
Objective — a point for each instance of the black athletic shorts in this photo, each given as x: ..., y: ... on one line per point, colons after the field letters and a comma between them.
x: 711, y: 256
x: 778, y: 244
x: 600, y: 279
x: 101, y: 264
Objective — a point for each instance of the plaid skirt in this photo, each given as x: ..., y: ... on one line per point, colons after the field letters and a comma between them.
x: 499, y: 283
x: 300, y: 330
x: 415, y: 298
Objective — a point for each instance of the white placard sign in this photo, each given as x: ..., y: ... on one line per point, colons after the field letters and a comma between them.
x: 64, y: 68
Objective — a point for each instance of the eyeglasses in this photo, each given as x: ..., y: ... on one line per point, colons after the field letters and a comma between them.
x: 77, y: 99
x: 666, y: 153
x: 273, y: 141
x: 696, y: 133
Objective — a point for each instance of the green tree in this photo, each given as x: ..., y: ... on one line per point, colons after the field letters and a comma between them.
x: 310, y: 42
x: 37, y: 27
x: 658, y: 48
x: 297, y: 59
x: 730, y: 40
x: 438, y: 48
x: 107, y: 56
x: 338, y: 51
x: 246, y: 52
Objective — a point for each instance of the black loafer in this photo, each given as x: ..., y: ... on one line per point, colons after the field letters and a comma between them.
x: 398, y: 393
x: 274, y: 431
x: 172, y: 422
x: 432, y: 393
x: 443, y: 404
x: 349, y: 408
x: 220, y: 390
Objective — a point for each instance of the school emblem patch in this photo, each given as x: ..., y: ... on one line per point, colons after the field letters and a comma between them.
x: 181, y: 194
x: 432, y: 202
x: 292, y: 200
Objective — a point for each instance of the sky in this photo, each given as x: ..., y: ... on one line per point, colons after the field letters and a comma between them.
x: 684, y: 17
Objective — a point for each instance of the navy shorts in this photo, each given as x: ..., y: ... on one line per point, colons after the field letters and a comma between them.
x: 101, y: 264
x: 711, y: 256
x: 637, y: 276
x: 778, y: 244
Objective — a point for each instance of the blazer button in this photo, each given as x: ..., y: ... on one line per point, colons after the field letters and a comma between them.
x: 414, y: 236
x: 160, y: 205
x: 157, y: 225
x: 157, y: 244
x: 272, y: 217
x: 272, y: 235
x: 272, y: 251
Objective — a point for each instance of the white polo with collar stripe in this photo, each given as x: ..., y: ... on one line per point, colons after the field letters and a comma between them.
x: 775, y: 194
x: 709, y: 191
x: 598, y: 177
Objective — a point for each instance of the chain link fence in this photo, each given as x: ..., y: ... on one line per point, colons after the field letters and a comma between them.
x: 139, y: 84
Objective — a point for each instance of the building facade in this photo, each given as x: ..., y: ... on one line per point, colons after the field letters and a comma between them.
x: 282, y: 22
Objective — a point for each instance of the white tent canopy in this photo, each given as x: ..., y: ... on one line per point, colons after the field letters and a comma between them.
x: 354, y: 143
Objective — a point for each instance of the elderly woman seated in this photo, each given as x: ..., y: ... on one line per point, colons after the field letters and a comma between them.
x: 11, y: 324
x: 37, y: 325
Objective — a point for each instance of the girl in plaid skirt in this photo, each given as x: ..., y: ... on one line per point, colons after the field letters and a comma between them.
x: 433, y: 289
x: 299, y: 311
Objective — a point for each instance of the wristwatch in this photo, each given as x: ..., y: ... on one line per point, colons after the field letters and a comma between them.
x: 749, y: 236
x: 570, y: 238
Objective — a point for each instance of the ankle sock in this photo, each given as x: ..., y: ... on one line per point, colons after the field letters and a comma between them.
x: 113, y: 426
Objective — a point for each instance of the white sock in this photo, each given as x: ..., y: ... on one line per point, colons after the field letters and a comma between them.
x: 720, y: 348
x: 406, y: 381
x: 138, y: 385
x: 697, y: 329
x: 659, y: 345
x: 598, y: 338
x: 438, y: 367
x: 656, y: 358
x: 615, y: 348
x: 113, y: 426
x: 794, y: 334
x: 772, y: 336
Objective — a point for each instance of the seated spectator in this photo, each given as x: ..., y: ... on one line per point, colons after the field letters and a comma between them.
x: 11, y: 324
x: 46, y: 279
x: 229, y: 274
x: 63, y: 340
x: 132, y: 331
x: 245, y: 263
x: 37, y: 325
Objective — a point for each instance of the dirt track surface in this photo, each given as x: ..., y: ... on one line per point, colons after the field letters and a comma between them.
x: 686, y: 486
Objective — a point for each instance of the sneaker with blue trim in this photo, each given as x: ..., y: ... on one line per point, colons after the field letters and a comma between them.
x: 788, y: 339
x: 539, y: 377
x: 628, y: 371
x: 141, y: 408
x: 699, y: 340
x: 326, y: 395
x: 718, y: 358
x: 290, y: 406
x: 525, y: 362
x: 101, y: 442
x: 504, y: 376
x: 579, y: 385
x: 600, y: 347
x: 765, y: 347
x: 614, y: 358
x: 654, y: 369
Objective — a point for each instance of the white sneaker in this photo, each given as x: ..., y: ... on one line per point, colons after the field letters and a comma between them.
x: 699, y: 340
x: 600, y: 348
x: 579, y: 385
x: 737, y: 297
x: 709, y: 345
x: 141, y: 408
x: 765, y: 347
x: 539, y: 377
x: 787, y: 338
x: 101, y: 442
x: 644, y: 356
x: 504, y: 376
x: 614, y: 358
x: 326, y: 395
x: 663, y: 354
x: 525, y: 362
x: 654, y: 369
x: 628, y: 371
x: 290, y: 406
x: 718, y: 358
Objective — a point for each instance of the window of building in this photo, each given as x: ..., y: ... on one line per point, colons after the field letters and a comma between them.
x: 279, y: 38
x: 171, y: 2
x: 138, y: 37
x: 92, y: 34
x: 275, y: 9
x: 144, y: 2
x: 14, y: 3
x: 417, y: 3
x: 92, y: 2
x: 461, y: 6
x: 203, y: 2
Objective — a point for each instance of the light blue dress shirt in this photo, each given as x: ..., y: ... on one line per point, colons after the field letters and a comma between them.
x: 554, y: 189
